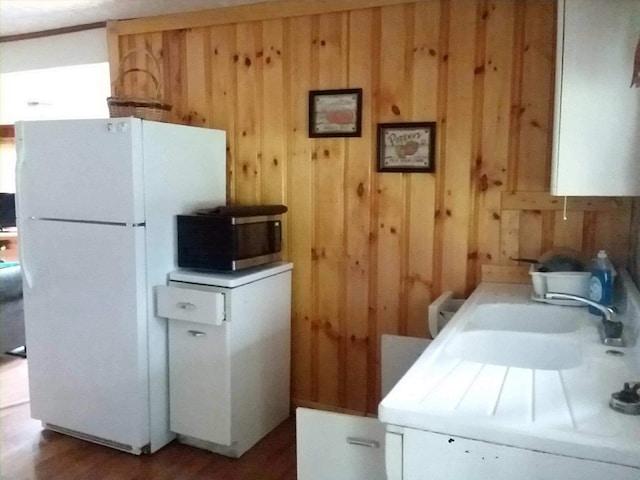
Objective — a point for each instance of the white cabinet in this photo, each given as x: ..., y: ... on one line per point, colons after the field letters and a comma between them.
x: 229, y: 355
x: 339, y: 446
x: 434, y: 456
x: 596, y: 148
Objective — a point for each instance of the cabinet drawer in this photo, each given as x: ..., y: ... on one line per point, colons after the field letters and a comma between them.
x: 190, y: 305
x: 338, y: 446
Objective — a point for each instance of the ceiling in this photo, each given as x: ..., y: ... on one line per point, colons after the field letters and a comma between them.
x: 18, y: 17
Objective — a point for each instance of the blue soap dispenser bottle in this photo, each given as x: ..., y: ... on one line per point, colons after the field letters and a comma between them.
x: 601, y: 285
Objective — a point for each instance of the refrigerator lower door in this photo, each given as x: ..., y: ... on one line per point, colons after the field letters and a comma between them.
x: 85, y: 315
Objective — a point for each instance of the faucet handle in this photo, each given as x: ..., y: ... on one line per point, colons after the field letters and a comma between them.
x: 627, y: 400
x: 629, y: 394
x: 612, y: 329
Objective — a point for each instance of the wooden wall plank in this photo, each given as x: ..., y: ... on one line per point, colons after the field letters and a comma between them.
x: 589, y: 232
x: 249, y: 111
x: 373, y: 382
x: 393, y: 106
x: 534, y: 166
x: 509, y: 236
x: 153, y: 43
x: 198, y: 71
x: 493, y: 160
x: 439, y: 214
x: 129, y: 60
x: 517, y: 47
x: 530, y: 234
x: 524, y: 200
x: 371, y: 250
x: 506, y: 274
x: 478, y: 121
x: 568, y: 230
x: 357, y: 222
x: 223, y: 94
x: 422, y: 188
x: 459, y: 125
x: 273, y: 153
x: 113, y: 51
x: 301, y: 214
x: 612, y: 232
x: 332, y: 58
x: 174, y: 58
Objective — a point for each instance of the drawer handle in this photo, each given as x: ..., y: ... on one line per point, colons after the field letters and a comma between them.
x: 363, y: 442
x: 186, y: 306
x: 197, y: 333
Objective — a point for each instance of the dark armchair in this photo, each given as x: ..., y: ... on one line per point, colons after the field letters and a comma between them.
x: 12, y: 334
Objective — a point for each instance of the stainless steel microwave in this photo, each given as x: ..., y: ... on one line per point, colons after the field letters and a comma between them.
x: 230, y: 238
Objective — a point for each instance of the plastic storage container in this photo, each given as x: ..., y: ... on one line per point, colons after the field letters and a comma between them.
x: 575, y: 283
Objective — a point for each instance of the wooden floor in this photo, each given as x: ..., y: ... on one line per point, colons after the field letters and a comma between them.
x: 27, y: 452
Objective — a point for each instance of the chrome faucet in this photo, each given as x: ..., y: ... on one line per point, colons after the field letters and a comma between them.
x: 611, y: 332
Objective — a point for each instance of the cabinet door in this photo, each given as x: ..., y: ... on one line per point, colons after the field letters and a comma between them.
x: 597, y: 113
x: 200, y: 381
x: 339, y: 447
x: 434, y: 456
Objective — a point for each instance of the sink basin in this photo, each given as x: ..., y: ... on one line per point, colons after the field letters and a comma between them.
x: 515, y: 349
x: 518, y: 317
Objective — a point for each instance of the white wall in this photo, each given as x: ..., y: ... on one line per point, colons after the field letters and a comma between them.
x: 77, y: 48
x: 60, y: 76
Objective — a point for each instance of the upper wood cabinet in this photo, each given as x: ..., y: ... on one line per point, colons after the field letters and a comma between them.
x: 596, y: 148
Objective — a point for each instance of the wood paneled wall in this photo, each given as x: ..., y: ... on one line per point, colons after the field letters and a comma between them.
x: 372, y: 250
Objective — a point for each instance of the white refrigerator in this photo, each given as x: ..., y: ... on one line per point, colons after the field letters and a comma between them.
x: 96, y: 206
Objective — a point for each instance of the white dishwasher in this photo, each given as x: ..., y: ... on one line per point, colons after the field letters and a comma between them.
x: 229, y: 355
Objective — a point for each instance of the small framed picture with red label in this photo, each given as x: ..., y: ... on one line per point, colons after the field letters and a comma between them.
x: 407, y: 147
x: 335, y: 113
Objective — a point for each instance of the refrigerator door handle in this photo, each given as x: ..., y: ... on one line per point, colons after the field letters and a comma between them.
x: 24, y: 265
x: 20, y: 159
x: 26, y: 274
x: 21, y: 156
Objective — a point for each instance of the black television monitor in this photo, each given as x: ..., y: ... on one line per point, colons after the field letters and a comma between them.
x: 7, y: 210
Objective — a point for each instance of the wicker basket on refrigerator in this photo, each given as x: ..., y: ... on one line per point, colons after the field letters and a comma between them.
x: 153, y: 108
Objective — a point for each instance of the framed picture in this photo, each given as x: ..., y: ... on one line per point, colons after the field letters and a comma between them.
x: 407, y: 147
x: 335, y: 113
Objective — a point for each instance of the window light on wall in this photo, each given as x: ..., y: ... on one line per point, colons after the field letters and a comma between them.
x: 78, y: 91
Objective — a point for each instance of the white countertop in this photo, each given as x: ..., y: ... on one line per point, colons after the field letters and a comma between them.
x: 230, y: 279
x: 563, y: 411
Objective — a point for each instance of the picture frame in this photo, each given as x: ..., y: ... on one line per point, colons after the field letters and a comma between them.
x: 335, y: 113
x: 407, y: 147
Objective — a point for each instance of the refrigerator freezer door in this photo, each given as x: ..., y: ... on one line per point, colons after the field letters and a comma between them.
x: 85, y: 312
x: 87, y: 170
